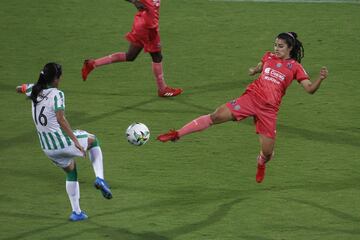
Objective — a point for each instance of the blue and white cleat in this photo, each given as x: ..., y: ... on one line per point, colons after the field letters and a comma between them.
x: 74, y: 217
x: 103, y: 187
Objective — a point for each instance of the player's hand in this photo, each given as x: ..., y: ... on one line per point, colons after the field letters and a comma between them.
x: 252, y: 71
x: 78, y: 146
x: 323, y: 73
x: 139, y: 5
x: 19, y: 89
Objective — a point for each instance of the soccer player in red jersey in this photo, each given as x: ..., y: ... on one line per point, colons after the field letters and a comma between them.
x: 144, y: 35
x: 262, y: 97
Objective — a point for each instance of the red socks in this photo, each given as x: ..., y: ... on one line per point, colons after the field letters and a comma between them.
x: 159, y: 75
x: 196, y: 125
x: 116, y: 57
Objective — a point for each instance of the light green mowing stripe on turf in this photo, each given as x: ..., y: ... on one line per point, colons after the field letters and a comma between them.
x: 41, y: 141
x: 46, y: 140
x: 68, y: 140
x: 52, y: 140
x: 59, y: 140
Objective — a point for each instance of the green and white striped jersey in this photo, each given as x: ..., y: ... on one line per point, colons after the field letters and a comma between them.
x: 51, y: 136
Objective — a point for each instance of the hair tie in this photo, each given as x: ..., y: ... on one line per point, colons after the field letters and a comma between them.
x: 42, y: 73
x: 291, y: 35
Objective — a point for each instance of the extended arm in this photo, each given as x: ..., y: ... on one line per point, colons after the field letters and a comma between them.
x: 312, y: 87
x: 138, y: 4
x: 60, y: 117
x: 23, y: 88
x: 256, y: 69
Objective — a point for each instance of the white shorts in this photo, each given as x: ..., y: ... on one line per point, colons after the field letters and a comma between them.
x: 64, y: 157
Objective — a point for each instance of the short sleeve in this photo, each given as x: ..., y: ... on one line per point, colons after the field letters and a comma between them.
x: 265, y: 57
x: 59, y: 101
x: 300, y: 73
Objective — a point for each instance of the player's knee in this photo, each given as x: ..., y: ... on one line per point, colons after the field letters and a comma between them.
x: 214, y: 117
x: 71, y: 174
x: 130, y: 57
x: 217, y: 117
x: 268, y: 154
x: 93, y: 141
x: 157, y: 57
x: 220, y: 115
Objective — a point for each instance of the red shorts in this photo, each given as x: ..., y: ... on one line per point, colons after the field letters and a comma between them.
x: 265, y: 116
x: 144, y: 37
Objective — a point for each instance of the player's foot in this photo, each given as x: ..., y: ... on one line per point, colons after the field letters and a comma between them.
x: 172, y: 135
x: 260, y: 174
x: 88, y: 66
x: 170, y: 92
x: 103, y: 187
x: 77, y: 217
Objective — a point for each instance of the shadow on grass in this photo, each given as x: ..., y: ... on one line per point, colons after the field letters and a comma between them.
x: 211, y: 219
x: 324, y: 231
x: 120, y: 233
x: 325, y: 137
x: 26, y: 235
x: 199, y: 89
x: 332, y: 211
x: 123, y: 233
x: 180, y: 198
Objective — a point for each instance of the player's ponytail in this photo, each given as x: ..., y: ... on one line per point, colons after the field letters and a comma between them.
x: 297, y: 51
x: 50, y: 72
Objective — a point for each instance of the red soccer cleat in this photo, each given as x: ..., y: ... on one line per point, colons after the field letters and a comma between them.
x: 88, y: 66
x: 172, y: 135
x: 170, y: 92
x: 260, y: 174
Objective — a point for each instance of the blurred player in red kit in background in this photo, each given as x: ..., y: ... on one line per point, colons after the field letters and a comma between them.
x: 144, y: 35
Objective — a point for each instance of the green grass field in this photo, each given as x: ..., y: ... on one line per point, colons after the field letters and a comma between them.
x: 202, y: 187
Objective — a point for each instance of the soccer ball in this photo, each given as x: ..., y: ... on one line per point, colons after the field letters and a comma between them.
x: 137, y: 134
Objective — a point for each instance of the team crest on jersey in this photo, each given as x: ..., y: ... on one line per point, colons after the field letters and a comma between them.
x: 278, y: 65
x: 237, y: 107
x: 289, y: 65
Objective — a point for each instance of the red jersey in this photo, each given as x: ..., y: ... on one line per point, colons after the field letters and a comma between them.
x: 276, y: 76
x: 151, y: 14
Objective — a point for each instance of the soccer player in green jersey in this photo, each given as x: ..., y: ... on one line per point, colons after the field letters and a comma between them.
x: 58, y: 141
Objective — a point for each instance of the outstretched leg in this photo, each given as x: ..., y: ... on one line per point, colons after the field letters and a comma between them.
x: 266, y: 154
x: 73, y: 191
x: 96, y: 158
x: 221, y: 115
x: 91, y: 64
x: 163, y: 89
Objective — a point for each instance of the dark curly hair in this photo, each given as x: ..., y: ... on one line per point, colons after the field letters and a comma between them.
x: 297, y: 51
